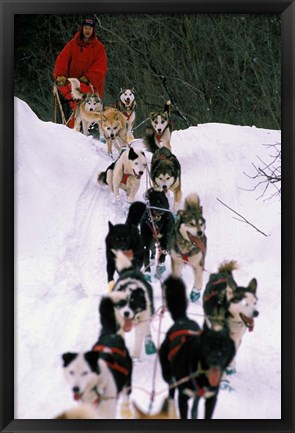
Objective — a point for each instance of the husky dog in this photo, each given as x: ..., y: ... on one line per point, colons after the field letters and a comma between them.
x: 126, y: 105
x: 224, y: 300
x: 136, y: 305
x: 126, y: 238
x: 166, y: 174
x: 155, y: 228
x: 167, y: 411
x: 188, y: 242
x: 87, y: 104
x: 100, y: 376
x: 113, y: 126
x: 158, y: 133
x: 125, y: 173
x: 193, y: 360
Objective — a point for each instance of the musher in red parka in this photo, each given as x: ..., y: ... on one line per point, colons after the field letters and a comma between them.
x: 84, y: 57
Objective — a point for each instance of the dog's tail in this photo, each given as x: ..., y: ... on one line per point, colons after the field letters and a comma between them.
x: 75, y: 88
x: 102, y: 177
x: 192, y: 202
x: 175, y: 295
x: 107, y: 315
x: 167, y: 107
x: 136, y: 212
x: 228, y: 266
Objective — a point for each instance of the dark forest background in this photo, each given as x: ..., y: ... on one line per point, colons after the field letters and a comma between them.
x: 223, y: 68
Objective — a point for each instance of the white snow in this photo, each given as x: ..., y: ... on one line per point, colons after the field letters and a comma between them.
x: 61, y: 221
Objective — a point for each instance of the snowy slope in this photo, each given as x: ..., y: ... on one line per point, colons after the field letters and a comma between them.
x: 61, y: 223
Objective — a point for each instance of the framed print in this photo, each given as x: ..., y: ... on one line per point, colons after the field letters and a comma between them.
x: 147, y: 276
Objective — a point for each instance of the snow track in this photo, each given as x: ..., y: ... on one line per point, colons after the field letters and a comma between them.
x: 62, y: 219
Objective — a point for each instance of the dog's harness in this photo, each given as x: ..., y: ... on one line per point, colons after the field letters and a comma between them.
x: 159, y: 136
x: 125, y: 177
x: 184, y: 334
x: 112, y: 350
x: 128, y: 112
x: 215, y: 292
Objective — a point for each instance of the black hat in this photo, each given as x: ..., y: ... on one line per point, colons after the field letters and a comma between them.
x: 88, y: 22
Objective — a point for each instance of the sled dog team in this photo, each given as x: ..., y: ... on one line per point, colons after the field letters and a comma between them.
x: 193, y: 359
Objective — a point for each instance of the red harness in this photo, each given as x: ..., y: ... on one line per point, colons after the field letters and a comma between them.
x: 125, y: 177
x: 184, y: 333
x: 114, y: 365
x: 127, y: 114
x: 214, y: 292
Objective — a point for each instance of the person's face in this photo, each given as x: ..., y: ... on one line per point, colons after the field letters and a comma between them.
x: 87, y: 32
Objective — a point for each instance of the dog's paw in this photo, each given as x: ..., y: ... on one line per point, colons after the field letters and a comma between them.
x: 147, y: 277
x: 230, y: 370
x: 195, y: 295
x: 116, y: 200
x: 160, y: 269
x: 225, y: 385
x: 125, y: 410
x: 149, y: 345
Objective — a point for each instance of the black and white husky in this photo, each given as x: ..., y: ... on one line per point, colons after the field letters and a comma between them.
x: 225, y: 300
x: 125, y: 173
x: 127, y: 105
x: 136, y: 305
x: 99, y: 377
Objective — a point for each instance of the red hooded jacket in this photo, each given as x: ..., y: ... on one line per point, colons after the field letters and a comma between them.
x: 77, y: 59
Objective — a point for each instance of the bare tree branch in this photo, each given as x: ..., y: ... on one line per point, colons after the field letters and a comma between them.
x: 268, y: 174
x: 243, y: 218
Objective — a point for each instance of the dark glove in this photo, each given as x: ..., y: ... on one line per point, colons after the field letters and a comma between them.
x: 61, y: 80
x: 84, y: 80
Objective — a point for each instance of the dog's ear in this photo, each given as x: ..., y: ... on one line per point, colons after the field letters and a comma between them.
x: 133, y: 90
x: 252, y: 286
x: 92, y: 359
x: 68, y: 358
x: 132, y: 154
x: 151, y: 115
x: 84, y: 97
x: 110, y: 225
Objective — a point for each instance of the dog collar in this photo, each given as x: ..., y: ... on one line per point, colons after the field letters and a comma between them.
x: 159, y: 136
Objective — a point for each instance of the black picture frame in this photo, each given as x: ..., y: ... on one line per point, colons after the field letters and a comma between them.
x: 8, y: 9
